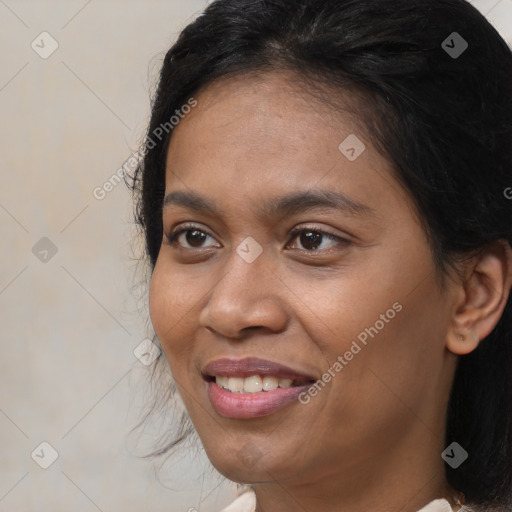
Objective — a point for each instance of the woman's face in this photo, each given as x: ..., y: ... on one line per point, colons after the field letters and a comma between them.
x: 352, y: 299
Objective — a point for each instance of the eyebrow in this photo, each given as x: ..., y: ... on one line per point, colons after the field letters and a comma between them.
x: 287, y: 205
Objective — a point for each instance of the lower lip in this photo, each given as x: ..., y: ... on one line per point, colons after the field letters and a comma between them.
x: 251, y: 405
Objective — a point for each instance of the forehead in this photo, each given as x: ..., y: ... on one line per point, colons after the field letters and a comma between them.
x: 256, y: 107
x: 262, y: 135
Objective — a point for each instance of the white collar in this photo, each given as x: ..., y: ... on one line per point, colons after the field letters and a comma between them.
x: 246, y: 502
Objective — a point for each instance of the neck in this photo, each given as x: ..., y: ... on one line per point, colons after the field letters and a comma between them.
x: 402, y: 478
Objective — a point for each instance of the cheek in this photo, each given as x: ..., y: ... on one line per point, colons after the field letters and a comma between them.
x: 174, y: 302
x: 387, y: 317
x: 341, y: 307
x: 157, y: 298
x: 165, y: 309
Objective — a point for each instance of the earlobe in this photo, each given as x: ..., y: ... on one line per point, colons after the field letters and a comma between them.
x: 482, y: 297
x: 461, y: 344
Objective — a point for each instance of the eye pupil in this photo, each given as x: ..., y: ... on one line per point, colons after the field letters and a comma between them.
x: 309, y: 238
x: 195, y: 236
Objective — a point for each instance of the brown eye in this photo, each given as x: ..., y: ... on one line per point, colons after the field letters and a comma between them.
x: 312, y: 239
x: 193, y: 236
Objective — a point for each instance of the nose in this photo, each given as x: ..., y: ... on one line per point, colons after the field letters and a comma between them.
x: 246, y: 298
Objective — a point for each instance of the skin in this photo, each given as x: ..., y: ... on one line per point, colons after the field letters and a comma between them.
x: 372, y: 438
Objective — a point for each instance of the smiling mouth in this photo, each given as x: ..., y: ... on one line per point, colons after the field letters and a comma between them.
x: 252, y: 387
x: 256, y: 383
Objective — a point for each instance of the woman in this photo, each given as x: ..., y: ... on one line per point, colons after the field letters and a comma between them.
x: 324, y: 203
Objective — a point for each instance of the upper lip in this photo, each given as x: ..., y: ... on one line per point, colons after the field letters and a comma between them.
x: 252, y: 366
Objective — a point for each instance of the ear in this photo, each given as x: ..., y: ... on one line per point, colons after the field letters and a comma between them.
x: 481, y: 298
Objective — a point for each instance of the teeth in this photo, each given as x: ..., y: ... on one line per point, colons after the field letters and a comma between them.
x: 285, y: 383
x: 222, y: 381
x: 270, y: 383
x: 236, y: 384
x: 252, y: 384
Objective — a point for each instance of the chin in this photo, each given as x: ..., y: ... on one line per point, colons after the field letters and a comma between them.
x: 249, y: 465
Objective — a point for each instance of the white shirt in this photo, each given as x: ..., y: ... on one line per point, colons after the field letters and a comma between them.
x: 246, y: 502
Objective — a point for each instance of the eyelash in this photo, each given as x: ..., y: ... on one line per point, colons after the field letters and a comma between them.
x: 171, y: 238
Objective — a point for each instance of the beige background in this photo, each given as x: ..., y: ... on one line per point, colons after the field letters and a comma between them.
x: 69, y: 325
